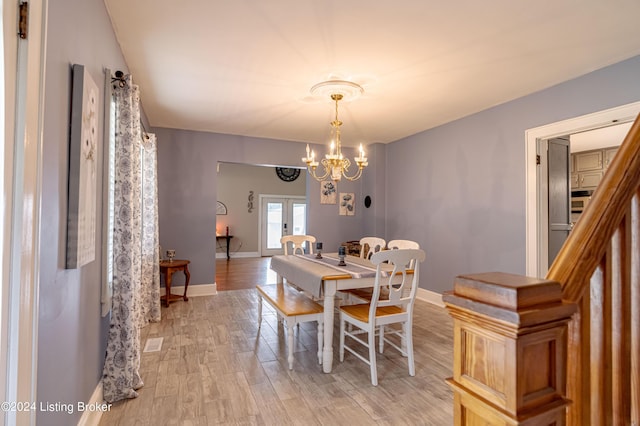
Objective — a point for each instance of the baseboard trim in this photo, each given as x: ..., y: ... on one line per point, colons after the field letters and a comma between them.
x: 223, y: 255
x: 193, y: 291
x: 430, y: 297
x: 91, y: 417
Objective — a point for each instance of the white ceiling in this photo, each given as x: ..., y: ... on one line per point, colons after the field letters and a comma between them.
x: 245, y: 67
x: 599, y: 138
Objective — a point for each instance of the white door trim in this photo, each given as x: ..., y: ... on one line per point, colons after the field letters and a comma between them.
x: 534, y: 189
x: 20, y: 265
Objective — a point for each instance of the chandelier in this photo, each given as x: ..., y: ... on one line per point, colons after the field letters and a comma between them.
x: 335, y: 164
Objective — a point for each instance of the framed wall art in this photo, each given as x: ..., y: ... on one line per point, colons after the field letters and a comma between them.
x: 221, y: 208
x: 347, y: 204
x: 83, y: 158
x: 328, y: 192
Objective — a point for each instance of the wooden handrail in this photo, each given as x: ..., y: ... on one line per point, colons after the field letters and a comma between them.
x: 564, y: 350
x: 586, y: 245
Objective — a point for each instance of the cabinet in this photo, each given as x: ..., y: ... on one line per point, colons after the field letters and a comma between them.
x: 588, y: 167
x: 589, y: 160
x: 608, y: 156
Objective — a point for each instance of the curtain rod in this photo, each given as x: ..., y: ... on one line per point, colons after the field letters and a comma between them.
x: 121, y: 78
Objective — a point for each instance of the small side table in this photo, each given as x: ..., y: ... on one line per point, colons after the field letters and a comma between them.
x: 228, y: 238
x: 168, y: 268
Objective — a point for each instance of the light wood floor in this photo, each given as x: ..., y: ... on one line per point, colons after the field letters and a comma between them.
x: 217, y: 367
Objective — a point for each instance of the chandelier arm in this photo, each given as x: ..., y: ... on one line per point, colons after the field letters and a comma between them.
x: 355, y: 176
x: 312, y: 171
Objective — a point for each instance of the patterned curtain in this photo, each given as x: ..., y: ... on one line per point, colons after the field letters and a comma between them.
x: 136, y: 276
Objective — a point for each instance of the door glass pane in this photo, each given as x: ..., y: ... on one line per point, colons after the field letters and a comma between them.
x: 299, y: 219
x: 274, y: 224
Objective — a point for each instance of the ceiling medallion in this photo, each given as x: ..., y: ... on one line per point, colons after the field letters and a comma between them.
x: 348, y: 89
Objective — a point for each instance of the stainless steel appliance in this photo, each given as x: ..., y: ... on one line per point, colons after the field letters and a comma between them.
x: 579, y: 200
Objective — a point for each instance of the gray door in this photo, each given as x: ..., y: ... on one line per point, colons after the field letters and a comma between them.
x: 559, y: 195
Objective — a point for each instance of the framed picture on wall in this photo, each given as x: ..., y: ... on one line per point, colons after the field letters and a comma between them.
x: 347, y: 204
x: 328, y: 192
x: 83, y: 158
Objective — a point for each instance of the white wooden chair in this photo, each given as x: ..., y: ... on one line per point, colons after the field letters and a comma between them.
x: 372, y: 245
x: 397, y: 308
x: 297, y: 243
x: 403, y: 244
x: 368, y: 246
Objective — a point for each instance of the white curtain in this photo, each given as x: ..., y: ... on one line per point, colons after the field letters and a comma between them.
x: 136, y: 276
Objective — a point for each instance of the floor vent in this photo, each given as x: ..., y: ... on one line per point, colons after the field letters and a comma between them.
x: 154, y: 344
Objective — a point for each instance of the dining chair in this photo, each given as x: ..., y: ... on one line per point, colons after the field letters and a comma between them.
x: 297, y: 242
x: 401, y: 286
x: 368, y: 246
x: 372, y: 245
x: 402, y: 244
x: 365, y: 293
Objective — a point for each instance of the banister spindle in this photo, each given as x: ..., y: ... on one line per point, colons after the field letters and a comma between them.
x: 634, y: 301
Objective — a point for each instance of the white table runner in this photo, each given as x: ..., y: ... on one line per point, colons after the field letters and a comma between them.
x: 306, y: 272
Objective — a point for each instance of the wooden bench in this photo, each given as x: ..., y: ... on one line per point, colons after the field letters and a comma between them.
x: 294, y: 308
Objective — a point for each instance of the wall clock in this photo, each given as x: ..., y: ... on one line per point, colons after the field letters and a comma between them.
x: 287, y: 174
x: 221, y: 208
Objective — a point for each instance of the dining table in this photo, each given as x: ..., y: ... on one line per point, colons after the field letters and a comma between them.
x: 322, y: 277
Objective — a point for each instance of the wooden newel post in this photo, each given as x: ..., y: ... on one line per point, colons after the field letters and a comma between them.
x: 510, y: 346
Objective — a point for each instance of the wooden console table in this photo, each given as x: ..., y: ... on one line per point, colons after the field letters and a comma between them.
x: 168, y: 268
x: 228, y: 238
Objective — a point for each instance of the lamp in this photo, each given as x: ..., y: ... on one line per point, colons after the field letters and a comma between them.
x: 335, y: 164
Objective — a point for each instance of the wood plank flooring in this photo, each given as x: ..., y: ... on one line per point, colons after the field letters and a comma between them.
x: 243, y: 272
x: 217, y: 367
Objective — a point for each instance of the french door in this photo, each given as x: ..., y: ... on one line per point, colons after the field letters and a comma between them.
x: 280, y: 216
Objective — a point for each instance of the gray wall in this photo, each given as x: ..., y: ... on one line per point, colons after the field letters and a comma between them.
x: 459, y: 189
x: 187, y: 193
x: 71, y: 334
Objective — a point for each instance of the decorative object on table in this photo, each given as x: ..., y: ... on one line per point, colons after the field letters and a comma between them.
x: 335, y: 164
x: 341, y: 255
x: 367, y: 201
x: 171, y: 254
x: 347, y: 204
x: 83, y: 155
x: 352, y: 247
x: 319, y: 250
x: 328, y: 192
x: 221, y: 208
x: 287, y: 174
x: 250, y: 203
